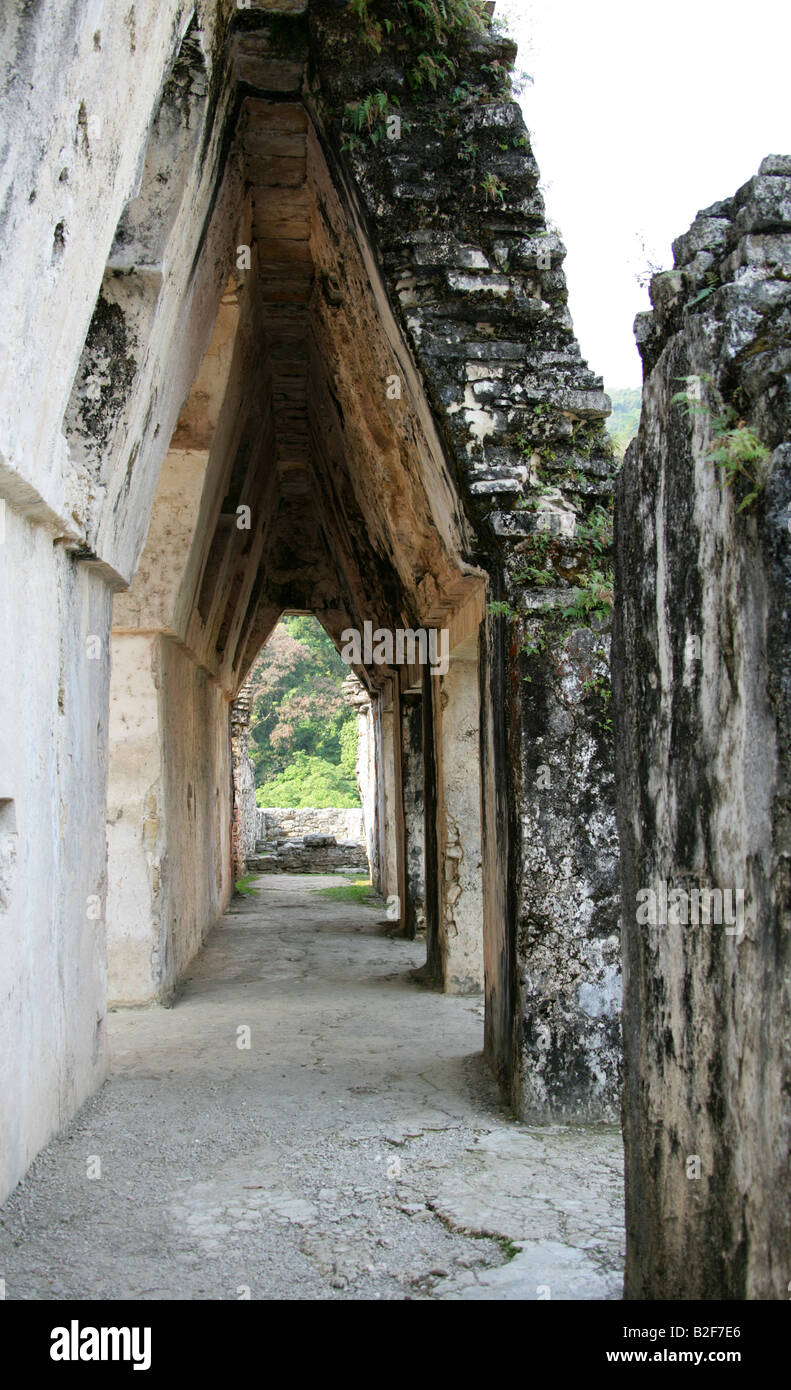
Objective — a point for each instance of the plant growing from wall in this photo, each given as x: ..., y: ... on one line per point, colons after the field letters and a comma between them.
x: 426, y: 37
x: 598, y: 689
x: 592, y: 599
x: 538, y: 578
x: 494, y: 189
x: 734, y: 446
x: 596, y: 530
x: 417, y: 20
x: 500, y: 609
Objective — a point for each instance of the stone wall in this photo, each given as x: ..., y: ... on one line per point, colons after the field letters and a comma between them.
x: 291, y: 823
x: 310, y: 854
x: 702, y: 680
x: 309, y: 841
x: 245, y: 811
x: 54, y: 625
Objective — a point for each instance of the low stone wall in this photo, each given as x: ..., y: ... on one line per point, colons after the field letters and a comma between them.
x: 316, y: 854
x: 309, y: 841
x: 294, y: 822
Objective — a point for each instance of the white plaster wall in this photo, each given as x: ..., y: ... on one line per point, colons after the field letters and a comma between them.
x: 73, y: 160
x: 53, y: 770
x: 170, y: 791
x: 461, y: 929
x: 80, y: 84
x: 198, y: 879
x: 169, y: 827
x: 151, y: 600
x: 135, y: 822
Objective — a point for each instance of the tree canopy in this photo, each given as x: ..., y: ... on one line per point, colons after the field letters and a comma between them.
x: 303, y: 734
x: 624, y: 422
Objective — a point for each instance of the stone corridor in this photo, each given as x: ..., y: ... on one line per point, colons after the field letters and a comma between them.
x: 356, y: 1149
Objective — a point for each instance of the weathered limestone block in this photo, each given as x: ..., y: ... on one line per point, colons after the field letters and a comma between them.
x: 702, y: 690
x: 569, y: 957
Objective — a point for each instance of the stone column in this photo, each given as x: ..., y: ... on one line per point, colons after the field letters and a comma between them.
x: 461, y: 879
x: 391, y: 806
x: 357, y: 696
x: 432, y: 863
x: 414, y: 827
x: 244, y: 820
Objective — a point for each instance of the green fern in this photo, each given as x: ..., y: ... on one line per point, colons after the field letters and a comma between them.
x: 734, y: 447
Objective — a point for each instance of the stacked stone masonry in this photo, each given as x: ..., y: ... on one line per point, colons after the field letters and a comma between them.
x: 306, y: 840
x: 292, y: 822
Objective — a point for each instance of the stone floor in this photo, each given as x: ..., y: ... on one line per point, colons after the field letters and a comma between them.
x: 355, y: 1150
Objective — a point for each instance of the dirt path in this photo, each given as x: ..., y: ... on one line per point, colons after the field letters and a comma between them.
x: 355, y: 1149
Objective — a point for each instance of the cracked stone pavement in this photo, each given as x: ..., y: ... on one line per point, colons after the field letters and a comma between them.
x: 356, y: 1149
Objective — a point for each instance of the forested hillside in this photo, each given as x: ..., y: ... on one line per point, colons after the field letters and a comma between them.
x: 624, y: 422
x: 303, y: 734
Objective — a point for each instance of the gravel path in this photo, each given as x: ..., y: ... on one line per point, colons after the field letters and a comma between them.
x: 355, y: 1149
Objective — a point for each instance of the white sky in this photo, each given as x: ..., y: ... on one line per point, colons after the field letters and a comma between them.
x: 640, y: 115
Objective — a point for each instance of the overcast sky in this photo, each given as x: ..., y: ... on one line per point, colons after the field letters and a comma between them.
x: 641, y: 114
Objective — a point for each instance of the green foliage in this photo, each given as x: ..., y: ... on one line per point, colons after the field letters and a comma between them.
x: 426, y: 35
x: 467, y: 150
x: 247, y: 886
x: 742, y: 455
x: 624, y: 422
x: 348, y: 742
x: 533, y: 645
x: 429, y: 69
x: 539, y: 578
x: 308, y: 781
x: 494, y: 188
x: 358, y: 892
x: 599, y: 689
x: 734, y: 447
x: 303, y: 734
x: 363, y: 115
x: 435, y: 20
x: 597, y: 530
x: 712, y: 284
x: 592, y: 599
x: 498, y: 609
